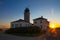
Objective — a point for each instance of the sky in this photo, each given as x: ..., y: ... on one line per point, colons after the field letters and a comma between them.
x: 11, y: 10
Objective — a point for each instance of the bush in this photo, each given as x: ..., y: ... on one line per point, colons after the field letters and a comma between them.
x: 24, y: 31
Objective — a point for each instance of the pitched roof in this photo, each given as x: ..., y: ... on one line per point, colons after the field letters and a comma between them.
x: 20, y: 20
x: 40, y: 18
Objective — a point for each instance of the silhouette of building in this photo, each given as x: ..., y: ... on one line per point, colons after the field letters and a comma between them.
x: 41, y: 22
x: 21, y: 22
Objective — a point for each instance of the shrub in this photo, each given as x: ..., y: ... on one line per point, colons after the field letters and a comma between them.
x: 24, y: 30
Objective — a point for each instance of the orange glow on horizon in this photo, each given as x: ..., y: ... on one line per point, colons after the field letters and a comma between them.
x: 54, y: 25
x: 5, y: 26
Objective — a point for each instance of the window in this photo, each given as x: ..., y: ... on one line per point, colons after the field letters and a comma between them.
x: 41, y: 21
x: 12, y: 25
x: 26, y: 25
x: 41, y: 26
x: 16, y: 25
x: 20, y: 25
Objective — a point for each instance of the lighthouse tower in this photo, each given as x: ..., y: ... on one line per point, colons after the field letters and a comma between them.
x: 27, y: 15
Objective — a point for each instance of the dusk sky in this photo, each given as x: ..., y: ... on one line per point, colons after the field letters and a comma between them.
x: 11, y: 10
